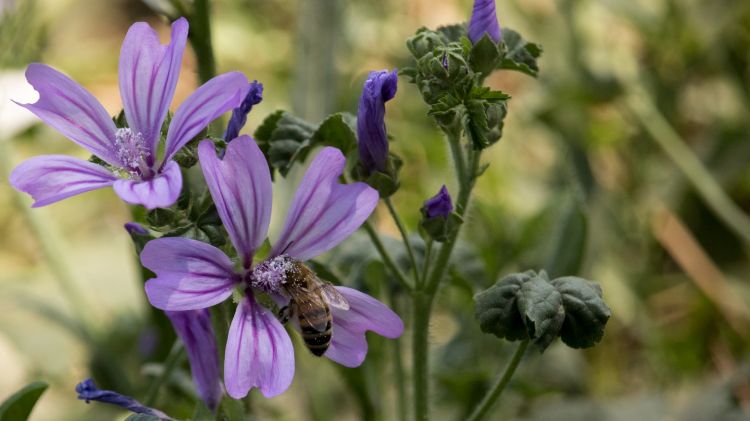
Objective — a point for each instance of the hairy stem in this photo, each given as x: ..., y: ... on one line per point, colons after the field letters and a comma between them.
x: 502, y: 381
x: 200, y: 39
x: 405, y: 237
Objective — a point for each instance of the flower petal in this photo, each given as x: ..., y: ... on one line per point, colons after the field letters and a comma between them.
x: 259, y: 352
x: 214, y: 98
x: 159, y: 192
x: 190, y: 275
x: 324, y: 212
x: 148, y: 76
x: 73, y: 111
x: 50, y: 178
x: 348, y: 344
x: 240, y: 185
x: 197, y: 334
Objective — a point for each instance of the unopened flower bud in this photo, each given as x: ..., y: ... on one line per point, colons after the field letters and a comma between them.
x: 484, y: 20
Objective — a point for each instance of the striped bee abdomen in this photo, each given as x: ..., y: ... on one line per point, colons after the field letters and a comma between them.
x: 317, y: 341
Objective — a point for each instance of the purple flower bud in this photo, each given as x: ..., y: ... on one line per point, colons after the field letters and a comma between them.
x: 484, y: 20
x: 134, y: 228
x: 88, y: 392
x: 197, y: 334
x: 239, y: 115
x: 439, y: 205
x: 373, y: 142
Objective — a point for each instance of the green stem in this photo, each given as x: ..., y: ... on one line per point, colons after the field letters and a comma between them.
x: 398, y: 363
x: 404, y: 236
x: 426, y: 262
x: 387, y: 259
x: 643, y: 108
x: 200, y: 38
x: 502, y: 381
x: 175, y: 357
x: 458, y: 157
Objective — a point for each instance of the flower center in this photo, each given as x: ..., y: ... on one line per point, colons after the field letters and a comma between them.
x: 132, y: 152
x: 270, y: 275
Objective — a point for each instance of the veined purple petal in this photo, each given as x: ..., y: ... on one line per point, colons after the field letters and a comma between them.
x: 324, y: 212
x: 197, y: 334
x: 88, y: 392
x: 158, y: 192
x: 148, y: 76
x: 214, y: 98
x: 348, y: 344
x: 484, y: 20
x: 240, y: 185
x: 371, y: 135
x: 190, y: 274
x: 259, y: 352
x: 73, y: 111
x: 50, y: 178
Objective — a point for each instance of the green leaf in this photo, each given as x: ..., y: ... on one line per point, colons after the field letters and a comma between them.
x: 265, y: 130
x: 336, y: 130
x: 569, y: 241
x: 520, y: 56
x: 19, y: 405
x: 484, y: 56
x: 586, y: 313
x: 497, y: 308
x: 452, y: 33
x: 142, y: 417
x: 542, y: 311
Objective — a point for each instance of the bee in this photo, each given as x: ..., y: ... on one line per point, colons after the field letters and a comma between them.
x: 310, y: 300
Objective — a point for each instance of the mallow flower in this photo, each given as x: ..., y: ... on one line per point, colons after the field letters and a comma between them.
x: 192, y: 275
x: 484, y: 20
x: 148, y: 73
x: 379, y: 87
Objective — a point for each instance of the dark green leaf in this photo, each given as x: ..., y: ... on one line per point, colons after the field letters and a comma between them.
x: 484, y: 56
x: 265, y: 130
x: 497, y: 308
x: 520, y: 56
x: 569, y: 241
x: 586, y: 313
x: 452, y: 33
x: 542, y: 310
x: 337, y: 131
x: 19, y: 405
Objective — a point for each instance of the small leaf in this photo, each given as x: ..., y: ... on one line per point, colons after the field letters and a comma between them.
x: 521, y: 56
x: 497, y: 308
x: 265, y: 130
x: 586, y: 313
x: 19, y: 405
x: 542, y: 310
x: 336, y: 130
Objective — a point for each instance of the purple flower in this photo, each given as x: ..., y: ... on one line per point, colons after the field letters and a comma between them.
x: 197, y: 334
x: 194, y: 275
x: 484, y: 20
x: 239, y: 115
x: 148, y: 75
x: 373, y: 141
x: 439, y: 205
x: 88, y: 392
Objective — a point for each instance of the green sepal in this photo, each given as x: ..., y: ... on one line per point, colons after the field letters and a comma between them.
x: 586, y: 313
x: 440, y: 228
x: 20, y: 404
x: 485, y: 56
x: 387, y: 182
x: 520, y: 55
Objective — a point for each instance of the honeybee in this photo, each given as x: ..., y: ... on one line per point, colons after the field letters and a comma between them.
x: 310, y: 299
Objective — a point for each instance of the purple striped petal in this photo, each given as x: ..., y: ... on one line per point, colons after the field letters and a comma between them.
x: 159, y: 192
x: 217, y: 96
x: 348, y: 344
x: 324, y: 212
x: 73, y: 111
x: 190, y: 274
x: 50, y: 178
x: 259, y: 352
x: 197, y: 334
x: 240, y: 185
x: 484, y: 20
x: 148, y: 76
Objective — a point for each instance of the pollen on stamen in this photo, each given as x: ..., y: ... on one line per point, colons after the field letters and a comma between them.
x: 131, y: 149
x: 270, y: 274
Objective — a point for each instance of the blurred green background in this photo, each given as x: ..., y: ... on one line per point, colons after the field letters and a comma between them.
x: 633, y: 144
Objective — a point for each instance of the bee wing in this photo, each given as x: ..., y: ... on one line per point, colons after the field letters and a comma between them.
x: 333, y: 296
x: 309, y: 308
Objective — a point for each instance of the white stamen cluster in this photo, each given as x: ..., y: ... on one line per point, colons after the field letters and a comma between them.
x: 131, y: 150
x: 270, y: 274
